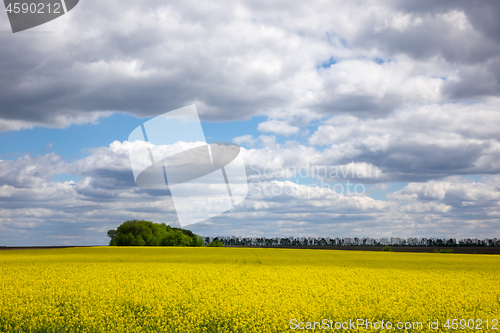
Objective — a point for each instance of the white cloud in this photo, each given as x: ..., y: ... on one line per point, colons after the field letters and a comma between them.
x: 453, y: 189
x: 106, y: 195
x: 406, y: 90
x: 253, y: 57
x: 422, y: 142
x: 245, y: 139
x: 277, y: 127
x: 420, y: 207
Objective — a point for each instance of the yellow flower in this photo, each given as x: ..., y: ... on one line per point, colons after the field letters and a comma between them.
x: 113, y: 289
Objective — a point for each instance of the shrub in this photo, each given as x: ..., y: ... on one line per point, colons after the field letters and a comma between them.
x: 387, y: 249
x: 446, y: 251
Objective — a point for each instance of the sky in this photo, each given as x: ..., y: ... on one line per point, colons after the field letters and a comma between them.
x: 399, y: 101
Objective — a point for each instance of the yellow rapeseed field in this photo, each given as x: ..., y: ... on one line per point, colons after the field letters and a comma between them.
x: 155, y: 289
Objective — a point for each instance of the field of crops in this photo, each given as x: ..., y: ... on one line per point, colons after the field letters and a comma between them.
x: 155, y: 289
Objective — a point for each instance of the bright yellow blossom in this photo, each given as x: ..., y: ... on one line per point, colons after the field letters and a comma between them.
x: 164, y: 289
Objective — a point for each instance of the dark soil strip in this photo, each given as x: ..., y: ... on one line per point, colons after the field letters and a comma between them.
x: 421, y: 249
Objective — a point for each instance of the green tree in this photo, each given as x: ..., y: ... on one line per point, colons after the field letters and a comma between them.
x: 146, y: 233
x: 126, y: 240
x: 198, y: 241
x: 138, y: 241
x: 216, y: 243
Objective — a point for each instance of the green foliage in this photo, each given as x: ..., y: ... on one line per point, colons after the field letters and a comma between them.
x: 199, y: 241
x: 138, y: 241
x: 145, y: 233
x: 387, y: 249
x: 112, y: 233
x: 216, y: 243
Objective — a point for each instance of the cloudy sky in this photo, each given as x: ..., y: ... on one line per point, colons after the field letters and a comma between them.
x: 398, y: 98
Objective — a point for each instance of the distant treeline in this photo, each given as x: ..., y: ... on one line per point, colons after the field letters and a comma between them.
x: 145, y: 233
x: 347, y: 241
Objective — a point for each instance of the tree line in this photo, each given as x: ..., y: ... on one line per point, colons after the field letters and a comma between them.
x: 354, y: 241
x: 146, y: 233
